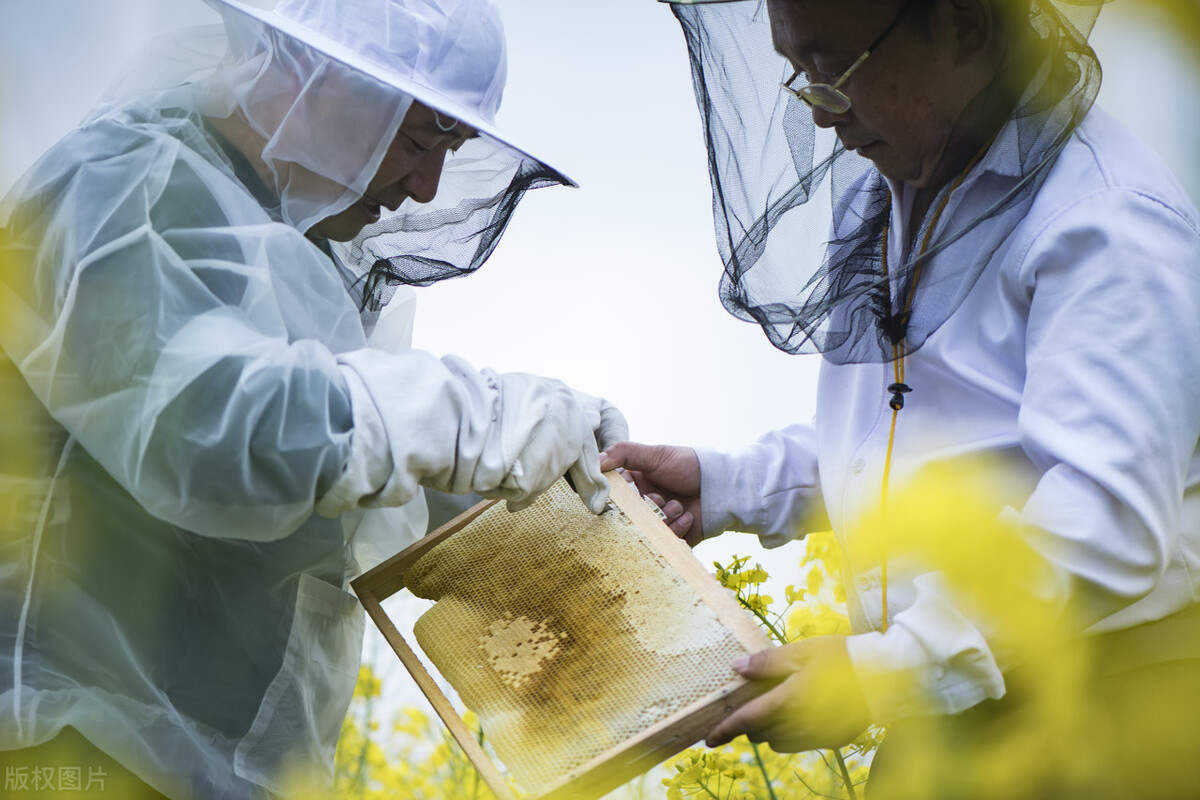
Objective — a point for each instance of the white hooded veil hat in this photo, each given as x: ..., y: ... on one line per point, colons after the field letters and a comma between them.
x: 327, y: 84
x: 450, y: 56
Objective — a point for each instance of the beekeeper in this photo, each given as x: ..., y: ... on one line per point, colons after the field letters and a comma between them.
x: 198, y: 341
x: 1010, y: 280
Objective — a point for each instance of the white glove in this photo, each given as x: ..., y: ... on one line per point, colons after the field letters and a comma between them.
x: 613, y: 427
x: 548, y: 428
x: 444, y: 425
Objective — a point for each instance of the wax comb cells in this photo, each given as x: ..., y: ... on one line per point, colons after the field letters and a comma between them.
x: 566, y: 633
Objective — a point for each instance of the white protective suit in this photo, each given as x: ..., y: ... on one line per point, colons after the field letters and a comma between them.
x: 188, y: 378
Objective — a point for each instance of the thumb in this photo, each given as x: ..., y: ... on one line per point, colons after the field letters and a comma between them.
x: 616, y: 455
x: 773, y: 662
x: 631, y: 455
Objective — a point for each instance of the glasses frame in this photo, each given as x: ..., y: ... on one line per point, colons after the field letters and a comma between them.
x: 829, y: 97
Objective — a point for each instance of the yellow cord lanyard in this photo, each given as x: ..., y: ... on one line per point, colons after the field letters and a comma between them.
x: 898, y: 388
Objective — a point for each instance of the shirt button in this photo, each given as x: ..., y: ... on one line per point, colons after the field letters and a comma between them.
x: 864, y: 583
x: 858, y: 465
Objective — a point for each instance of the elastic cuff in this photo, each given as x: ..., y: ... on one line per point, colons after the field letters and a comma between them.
x: 370, y: 462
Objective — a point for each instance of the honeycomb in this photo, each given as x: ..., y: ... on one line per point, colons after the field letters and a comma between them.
x: 566, y: 633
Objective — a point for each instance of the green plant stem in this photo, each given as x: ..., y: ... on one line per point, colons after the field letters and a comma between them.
x: 763, y: 768
x: 811, y: 790
x: 846, y: 780
x: 458, y: 764
x: 780, y: 637
x: 360, y: 769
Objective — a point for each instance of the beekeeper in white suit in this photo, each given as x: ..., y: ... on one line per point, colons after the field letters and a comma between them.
x: 196, y: 335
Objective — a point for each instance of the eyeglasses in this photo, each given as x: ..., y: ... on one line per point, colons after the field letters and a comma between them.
x: 829, y: 97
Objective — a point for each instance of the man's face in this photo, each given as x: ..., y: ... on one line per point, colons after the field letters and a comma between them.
x: 411, y: 168
x: 905, y: 98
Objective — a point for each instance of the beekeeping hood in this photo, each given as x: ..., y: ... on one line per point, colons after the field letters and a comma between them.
x: 326, y: 85
x: 800, y: 221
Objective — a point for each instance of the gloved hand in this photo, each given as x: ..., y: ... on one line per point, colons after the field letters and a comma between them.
x: 420, y: 421
x: 613, y: 427
x: 548, y: 428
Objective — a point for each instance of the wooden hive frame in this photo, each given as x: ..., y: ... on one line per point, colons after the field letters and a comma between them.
x: 633, y: 756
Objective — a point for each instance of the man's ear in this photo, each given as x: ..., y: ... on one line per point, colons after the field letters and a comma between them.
x: 973, y: 24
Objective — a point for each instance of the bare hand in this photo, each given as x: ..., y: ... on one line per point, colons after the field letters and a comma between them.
x: 670, y: 476
x: 819, y: 704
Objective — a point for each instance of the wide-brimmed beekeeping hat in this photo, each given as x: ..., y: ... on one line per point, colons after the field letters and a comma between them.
x: 326, y: 85
x: 450, y: 55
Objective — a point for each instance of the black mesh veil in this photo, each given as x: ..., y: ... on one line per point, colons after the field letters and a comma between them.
x: 454, y: 234
x: 800, y: 221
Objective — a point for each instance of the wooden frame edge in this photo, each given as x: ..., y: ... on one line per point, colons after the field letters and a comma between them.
x: 441, y: 704
x: 651, y: 747
x: 386, y: 578
x: 677, y: 553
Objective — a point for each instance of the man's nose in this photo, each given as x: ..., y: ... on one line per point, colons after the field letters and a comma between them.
x: 421, y: 184
x: 826, y: 119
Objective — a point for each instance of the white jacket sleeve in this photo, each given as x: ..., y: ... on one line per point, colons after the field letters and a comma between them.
x: 770, y: 488
x: 1110, y: 416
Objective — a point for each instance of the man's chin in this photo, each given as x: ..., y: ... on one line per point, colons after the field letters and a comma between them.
x: 333, y: 230
x: 900, y: 173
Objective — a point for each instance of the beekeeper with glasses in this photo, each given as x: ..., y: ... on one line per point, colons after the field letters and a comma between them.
x: 204, y: 327
x: 1001, y: 281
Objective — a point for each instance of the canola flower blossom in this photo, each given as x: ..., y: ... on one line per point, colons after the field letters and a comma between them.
x: 742, y: 770
x: 383, y: 755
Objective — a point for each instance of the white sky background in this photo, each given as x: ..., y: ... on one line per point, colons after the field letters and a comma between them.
x: 610, y: 287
